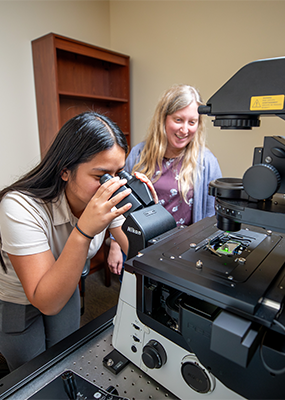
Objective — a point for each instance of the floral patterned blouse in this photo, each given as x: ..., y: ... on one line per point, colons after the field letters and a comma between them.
x: 168, y: 194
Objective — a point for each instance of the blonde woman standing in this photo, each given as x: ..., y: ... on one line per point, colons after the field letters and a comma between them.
x: 175, y: 158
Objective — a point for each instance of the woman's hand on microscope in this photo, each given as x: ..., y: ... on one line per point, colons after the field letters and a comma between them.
x: 149, y: 184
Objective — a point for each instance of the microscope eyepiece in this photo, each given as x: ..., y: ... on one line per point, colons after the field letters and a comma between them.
x: 105, y: 178
x: 125, y: 175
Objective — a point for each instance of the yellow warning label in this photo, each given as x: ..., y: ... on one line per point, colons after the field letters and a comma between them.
x: 263, y: 103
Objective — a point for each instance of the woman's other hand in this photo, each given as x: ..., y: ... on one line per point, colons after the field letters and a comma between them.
x: 115, y: 258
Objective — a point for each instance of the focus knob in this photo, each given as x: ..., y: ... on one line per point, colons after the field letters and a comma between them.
x: 261, y: 181
x: 154, y: 355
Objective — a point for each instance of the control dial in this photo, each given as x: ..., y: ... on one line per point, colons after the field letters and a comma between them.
x: 261, y: 181
x: 196, y: 376
x: 154, y: 355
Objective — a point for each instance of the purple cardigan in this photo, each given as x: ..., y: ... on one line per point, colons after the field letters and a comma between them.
x: 203, y: 204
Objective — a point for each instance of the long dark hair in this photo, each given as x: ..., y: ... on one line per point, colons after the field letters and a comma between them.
x: 77, y: 142
x: 80, y: 138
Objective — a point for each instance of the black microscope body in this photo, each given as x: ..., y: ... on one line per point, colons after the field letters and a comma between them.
x: 207, y: 313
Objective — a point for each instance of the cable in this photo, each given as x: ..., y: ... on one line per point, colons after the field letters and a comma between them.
x: 266, y: 366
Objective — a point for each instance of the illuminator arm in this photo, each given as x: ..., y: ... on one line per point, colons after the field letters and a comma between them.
x: 256, y: 89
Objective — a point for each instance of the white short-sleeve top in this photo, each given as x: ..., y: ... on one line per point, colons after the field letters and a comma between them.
x: 29, y: 227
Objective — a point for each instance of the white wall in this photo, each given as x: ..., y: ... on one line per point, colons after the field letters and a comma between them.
x: 202, y: 43
x: 20, y: 23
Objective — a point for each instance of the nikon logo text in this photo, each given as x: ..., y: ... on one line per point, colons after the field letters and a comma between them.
x: 132, y: 230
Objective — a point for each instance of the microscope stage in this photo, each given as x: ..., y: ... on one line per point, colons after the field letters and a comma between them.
x: 239, y: 271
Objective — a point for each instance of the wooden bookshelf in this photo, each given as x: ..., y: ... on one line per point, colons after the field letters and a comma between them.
x: 72, y: 77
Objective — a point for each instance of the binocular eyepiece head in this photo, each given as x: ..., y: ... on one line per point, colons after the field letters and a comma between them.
x: 140, y: 191
x: 123, y: 175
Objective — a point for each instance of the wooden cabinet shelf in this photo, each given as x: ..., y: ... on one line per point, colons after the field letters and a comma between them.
x: 88, y: 96
x: 72, y: 77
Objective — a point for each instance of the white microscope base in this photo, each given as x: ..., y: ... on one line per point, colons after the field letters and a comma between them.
x: 130, y: 336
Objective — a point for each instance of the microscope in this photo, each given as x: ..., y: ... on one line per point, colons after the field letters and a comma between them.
x: 145, y: 220
x: 201, y: 309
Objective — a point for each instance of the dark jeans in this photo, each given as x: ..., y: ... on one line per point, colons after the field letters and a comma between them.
x: 25, y: 332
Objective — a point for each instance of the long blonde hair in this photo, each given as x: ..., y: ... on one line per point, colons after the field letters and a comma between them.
x: 173, y: 100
